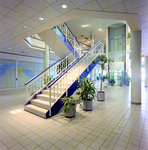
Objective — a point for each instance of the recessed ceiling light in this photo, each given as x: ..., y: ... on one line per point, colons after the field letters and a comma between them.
x: 100, y: 29
x: 85, y: 25
x: 64, y: 6
x: 25, y: 27
x: 41, y: 18
x: 13, y: 33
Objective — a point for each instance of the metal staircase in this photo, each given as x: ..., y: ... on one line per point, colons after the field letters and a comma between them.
x: 44, y: 91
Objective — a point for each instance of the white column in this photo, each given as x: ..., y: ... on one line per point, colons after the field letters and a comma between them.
x: 146, y: 71
x: 92, y: 37
x: 136, y: 68
x: 46, y: 56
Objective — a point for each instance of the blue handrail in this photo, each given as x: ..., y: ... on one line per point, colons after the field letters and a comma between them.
x: 50, y: 66
x: 73, y: 65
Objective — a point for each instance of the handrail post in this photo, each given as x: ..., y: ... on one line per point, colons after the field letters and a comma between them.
x: 66, y: 33
x: 26, y: 92
x: 50, y: 101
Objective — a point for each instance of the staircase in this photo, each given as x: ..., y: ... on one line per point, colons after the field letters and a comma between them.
x: 46, y: 100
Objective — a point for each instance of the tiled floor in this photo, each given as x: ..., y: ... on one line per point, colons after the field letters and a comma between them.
x: 113, y: 124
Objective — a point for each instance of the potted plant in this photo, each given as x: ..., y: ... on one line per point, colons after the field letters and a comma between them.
x: 70, y: 105
x: 112, y: 82
x: 128, y: 81
x: 120, y: 80
x: 102, y: 61
x: 86, y: 91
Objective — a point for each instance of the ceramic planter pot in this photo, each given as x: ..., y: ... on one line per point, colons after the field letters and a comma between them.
x: 87, y: 105
x: 101, y: 96
x: 70, y: 112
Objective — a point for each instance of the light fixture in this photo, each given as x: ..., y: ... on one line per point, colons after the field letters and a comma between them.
x: 100, y: 29
x: 41, y: 18
x: 13, y: 33
x: 64, y: 6
x: 25, y: 27
x: 85, y: 25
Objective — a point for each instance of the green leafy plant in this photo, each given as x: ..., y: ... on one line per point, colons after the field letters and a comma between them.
x: 87, y: 89
x: 70, y: 102
x: 47, y: 79
x: 63, y: 65
x: 102, y: 61
x: 129, y: 35
x: 104, y: 77
x: 112, y: 81
x: 32, y: 93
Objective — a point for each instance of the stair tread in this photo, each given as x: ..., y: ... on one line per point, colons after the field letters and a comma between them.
x: 41, y: 101
x: 47, y: 96
x: 42, y: 110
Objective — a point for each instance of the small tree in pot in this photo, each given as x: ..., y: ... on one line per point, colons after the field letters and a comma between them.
x: 102, y: 61
x: 86, y: 93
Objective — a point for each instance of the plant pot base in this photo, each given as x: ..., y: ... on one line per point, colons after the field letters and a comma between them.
x: 87, y: 105
x: 70, y: 112
x: 101, y: 96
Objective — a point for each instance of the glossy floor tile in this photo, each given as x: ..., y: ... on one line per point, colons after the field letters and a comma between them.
x: 114, y: 124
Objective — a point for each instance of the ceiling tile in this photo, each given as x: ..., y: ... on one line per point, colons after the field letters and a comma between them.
x: 17, y: 31
x: 6, y: 26
x: 38, y: 15
x: 51, y: 12
x: 4, y: 10
x: 108, y: 3
x: 9, y: 35
x: 132, y: 4
x: 2, y: 30
x: 38, y: 5
x: 32, y: 23
x: 10, y: 21
x: 58, y: 5
x: 93, y: 5
x: 50, y: 1
x: 140, y: 11
x: 21, y: 26
x: 9, y: 3
x: 116, y: 8
x: 1, y: 16
x: 17, y: 16
x: 79, y: 3
x: 25, y: 10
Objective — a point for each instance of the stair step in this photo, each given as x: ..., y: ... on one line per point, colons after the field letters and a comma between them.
x: 40, y: 103
x: 47, y: 92
x: 45, y: 97
x: 36, y: 110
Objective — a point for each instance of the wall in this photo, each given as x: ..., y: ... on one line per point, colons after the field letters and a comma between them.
x: 15, y: 70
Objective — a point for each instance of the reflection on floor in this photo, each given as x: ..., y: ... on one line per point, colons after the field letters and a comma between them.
x: 113, y: 124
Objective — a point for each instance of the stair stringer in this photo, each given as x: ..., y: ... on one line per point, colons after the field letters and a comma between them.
x: 55, y: 109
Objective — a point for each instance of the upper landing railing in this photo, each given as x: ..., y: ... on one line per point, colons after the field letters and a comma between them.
x: 68, y: 34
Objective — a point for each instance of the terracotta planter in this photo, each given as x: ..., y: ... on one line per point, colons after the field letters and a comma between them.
x: 70, y: 112
x: 101, y: 96
x: 87, y: 105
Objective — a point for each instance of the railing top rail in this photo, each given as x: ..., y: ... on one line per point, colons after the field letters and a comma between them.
x: 51, y: 65
x: 71, y: 32
x: 73, y: 64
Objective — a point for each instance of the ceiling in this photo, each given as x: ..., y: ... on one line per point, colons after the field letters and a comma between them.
x: 83, y: 28
x: 16, y: 14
